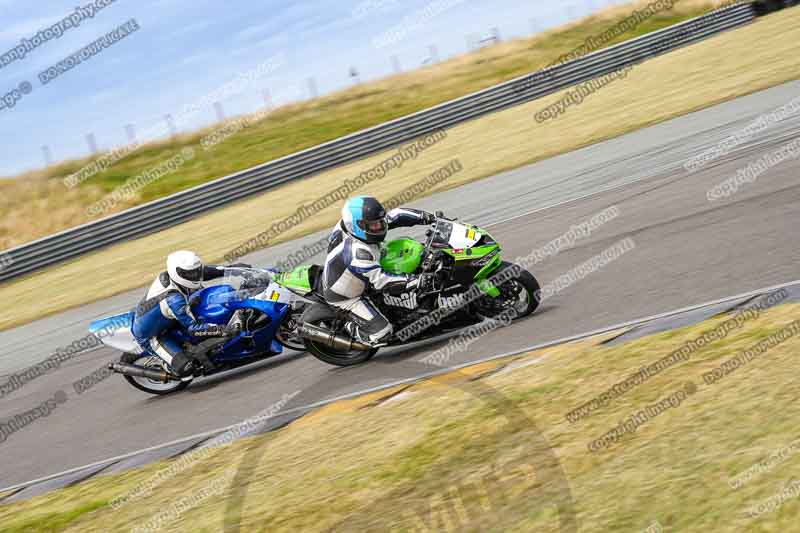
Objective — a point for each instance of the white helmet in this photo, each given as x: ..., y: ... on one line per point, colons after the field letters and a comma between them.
x: 185, y: 269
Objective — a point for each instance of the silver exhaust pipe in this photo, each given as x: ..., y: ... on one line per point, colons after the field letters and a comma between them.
x: 141, y: 372
x: 331, y: 339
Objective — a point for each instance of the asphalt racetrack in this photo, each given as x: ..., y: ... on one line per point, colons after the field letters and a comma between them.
x: 688, y: 250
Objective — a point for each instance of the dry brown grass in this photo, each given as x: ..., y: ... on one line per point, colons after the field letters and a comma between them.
x: 363, y: 465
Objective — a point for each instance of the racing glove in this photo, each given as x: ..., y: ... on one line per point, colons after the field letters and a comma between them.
x: 208, y: 330
x: 422, y: 283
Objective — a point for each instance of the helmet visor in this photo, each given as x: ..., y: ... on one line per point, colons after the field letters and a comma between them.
x: 374, y: 227
x: 193, y: 275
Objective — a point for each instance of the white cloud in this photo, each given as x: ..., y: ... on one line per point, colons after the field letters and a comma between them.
x: 196, y: 58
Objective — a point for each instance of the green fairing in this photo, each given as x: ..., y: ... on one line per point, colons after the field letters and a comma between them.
x: 488, y: 287
x: 472, y: 253
x: 401, y: 256
x: 485, y: 284
x: 295, y: 280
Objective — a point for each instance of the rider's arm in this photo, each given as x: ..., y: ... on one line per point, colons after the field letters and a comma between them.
x: 403, y: 218
x: 336, y: 237
x: 177, y: 308
x: 364, y: 265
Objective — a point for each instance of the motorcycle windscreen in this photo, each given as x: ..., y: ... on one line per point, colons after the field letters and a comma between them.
x: 116, y: 332
x: 456, y: 236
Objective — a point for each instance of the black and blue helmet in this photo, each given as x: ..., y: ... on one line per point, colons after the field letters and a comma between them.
x: 365, y: 219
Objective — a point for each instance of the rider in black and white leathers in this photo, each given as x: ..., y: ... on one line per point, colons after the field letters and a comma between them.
x: 353, y: 265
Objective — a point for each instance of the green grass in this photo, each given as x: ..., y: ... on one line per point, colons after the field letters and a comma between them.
x: 52, y: 522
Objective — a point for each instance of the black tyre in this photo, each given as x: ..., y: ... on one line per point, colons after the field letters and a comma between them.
x: 147, y: 385
x: 323, y: 316
x: 523, y: 288
x: 287, y: 335
x: 531, y: 286
x: 288, y: 340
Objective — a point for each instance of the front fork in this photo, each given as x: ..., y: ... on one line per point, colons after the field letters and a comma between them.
x: 483, y: 277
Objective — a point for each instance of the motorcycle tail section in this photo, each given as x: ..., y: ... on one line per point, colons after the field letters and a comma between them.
x: 117, y: 332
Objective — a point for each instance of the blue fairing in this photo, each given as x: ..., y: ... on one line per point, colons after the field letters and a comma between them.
x: 214, y: 305
x: 217, y: 304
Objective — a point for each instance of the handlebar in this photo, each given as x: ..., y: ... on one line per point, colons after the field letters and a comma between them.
x: 252, y: 278
x: 431, y: 234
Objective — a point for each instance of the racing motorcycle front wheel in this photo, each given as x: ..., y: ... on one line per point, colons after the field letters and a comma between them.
x: 521, y: 293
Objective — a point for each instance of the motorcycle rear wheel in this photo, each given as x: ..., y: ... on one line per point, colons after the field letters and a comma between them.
x: 147, y: 385
x: 323, y: 316
x: 287, y: 336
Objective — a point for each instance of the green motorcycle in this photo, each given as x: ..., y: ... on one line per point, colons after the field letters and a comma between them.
x: 468, y: 282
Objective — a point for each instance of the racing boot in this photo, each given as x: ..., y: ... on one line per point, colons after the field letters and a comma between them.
x: 183, y: 366
x: 357, y: 334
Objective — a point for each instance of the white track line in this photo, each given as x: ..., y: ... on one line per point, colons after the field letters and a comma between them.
x: 419, y: 377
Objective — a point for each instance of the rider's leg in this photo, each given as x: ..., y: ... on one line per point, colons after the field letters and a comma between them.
x: 173, y: 353
x: 370, y: 324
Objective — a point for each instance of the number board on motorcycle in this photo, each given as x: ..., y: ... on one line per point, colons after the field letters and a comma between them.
x: 463, y: 237
x: 276, y: 293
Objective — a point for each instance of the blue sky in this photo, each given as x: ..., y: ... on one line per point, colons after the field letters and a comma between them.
x: 186, y: 49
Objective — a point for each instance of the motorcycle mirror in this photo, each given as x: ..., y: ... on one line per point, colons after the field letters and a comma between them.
x: 439, y: 214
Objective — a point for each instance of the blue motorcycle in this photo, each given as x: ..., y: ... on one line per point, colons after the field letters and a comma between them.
x: 263, y: 314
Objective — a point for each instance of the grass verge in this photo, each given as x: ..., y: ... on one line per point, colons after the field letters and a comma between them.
x: 733, y: 64
x: 451, y: 453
